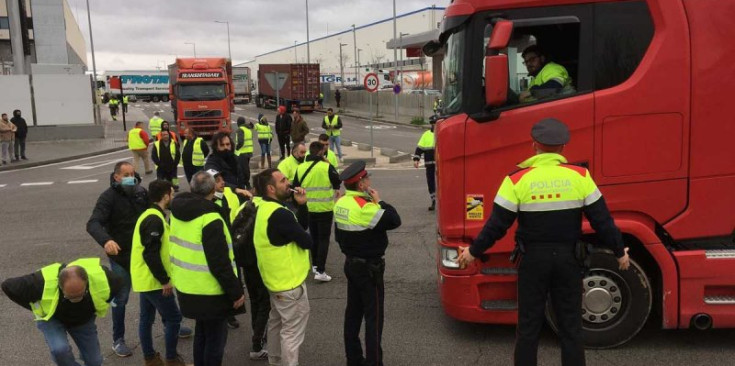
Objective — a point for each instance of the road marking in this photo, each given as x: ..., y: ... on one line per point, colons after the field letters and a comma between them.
x: 67, y: 162
x: 94, y: 165
x: 181, y: 176
x: 37, y: 184
x: 381, y: 127
x: 2, y: 185
x: 82, y: 181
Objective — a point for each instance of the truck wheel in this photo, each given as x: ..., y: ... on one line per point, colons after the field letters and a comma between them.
x: 615, y: 304
x: 156, y: 99
x: 164, y: 98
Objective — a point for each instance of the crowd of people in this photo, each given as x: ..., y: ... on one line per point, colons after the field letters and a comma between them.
x: 13, y: 134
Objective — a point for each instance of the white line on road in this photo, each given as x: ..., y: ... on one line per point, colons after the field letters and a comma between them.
x: 37, y: 184
x: 181, y: 176
x: 2, y: 185
x: 94, y: 165
x: 67, y: 162
x: 82, y: 181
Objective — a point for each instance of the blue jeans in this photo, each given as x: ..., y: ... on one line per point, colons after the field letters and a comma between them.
x: 335, y: 143
x: 265, y: 147
x: 210, y: 339
x: 120, y: 301
x: 171, y: 316
x: 85, y: 336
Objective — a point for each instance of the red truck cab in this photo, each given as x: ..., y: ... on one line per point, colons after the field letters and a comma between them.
x: 647, y: 121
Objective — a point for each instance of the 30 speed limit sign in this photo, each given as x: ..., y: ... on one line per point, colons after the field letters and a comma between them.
x: 371, y: 82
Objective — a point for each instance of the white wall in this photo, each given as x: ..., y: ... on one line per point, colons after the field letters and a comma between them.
x: 15, y: 93
x: 49, y: 28
x: 63, y: 99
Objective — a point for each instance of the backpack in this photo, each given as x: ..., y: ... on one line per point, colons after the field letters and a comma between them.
x: 243, y: 234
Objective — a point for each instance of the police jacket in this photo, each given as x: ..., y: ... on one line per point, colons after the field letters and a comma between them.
x: 188, y: 150
x: 425, y: 147
x: 283, y: 124
x: 187, y: 207
x: 225, y: 164
x: 114, y: 217
x: 28, y: 289
x: 548, y: 196
x: 361, y: 225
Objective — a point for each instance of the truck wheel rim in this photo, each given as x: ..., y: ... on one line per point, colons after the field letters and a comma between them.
x: 604, y: 299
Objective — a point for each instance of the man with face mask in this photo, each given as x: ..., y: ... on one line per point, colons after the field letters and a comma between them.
x: 224, y: 161
x: 112, y: 225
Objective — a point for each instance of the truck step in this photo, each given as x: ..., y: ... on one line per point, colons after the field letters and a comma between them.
x: 499, y: 305
x: 720, y: 253
x: 719, y: 300
x: 499, y: 271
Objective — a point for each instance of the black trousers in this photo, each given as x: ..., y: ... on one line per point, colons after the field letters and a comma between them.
x: 210, y: 339
x: 170, y: 176
x: 365, y: 298
x: 20, y: 147
x: 320, y: 228
x: 430, y: 178
x: 260, y: 306
x: 190, y: 170
x: 549, y: 272
x: 243, y: 170
x: 284, y: 143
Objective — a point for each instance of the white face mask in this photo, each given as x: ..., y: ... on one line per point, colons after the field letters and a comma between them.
x: 219, y: 195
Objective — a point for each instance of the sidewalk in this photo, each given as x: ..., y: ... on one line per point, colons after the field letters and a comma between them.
x: 403, y: 120
x: 49, y: 152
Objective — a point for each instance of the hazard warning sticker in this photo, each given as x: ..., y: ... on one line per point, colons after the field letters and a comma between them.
x: 475, y: 207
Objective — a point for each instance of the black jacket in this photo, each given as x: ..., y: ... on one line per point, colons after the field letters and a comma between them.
x: 114, y: 217
x: 27, y: 289
x: 225, y: 165
x: 283, y: 124
x: 163, y: 160
x: 283, y: 228
x: 22, y: 130
x: 186, y: 207
x: 188, y: 150
x: 370, y: 243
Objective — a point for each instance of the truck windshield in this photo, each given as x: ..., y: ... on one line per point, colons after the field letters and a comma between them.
x: 201, y: 92
x: 452, y: 67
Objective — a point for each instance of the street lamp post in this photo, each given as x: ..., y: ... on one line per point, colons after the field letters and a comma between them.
x: 401, y: 67
x: 195, y: 47
x: 395, y: 59
x: 341, y: 65
x: 308, y: 53
x: 97, y: 115
x: 295, y: 55
x: 229, y: 50
x: 357, y: 65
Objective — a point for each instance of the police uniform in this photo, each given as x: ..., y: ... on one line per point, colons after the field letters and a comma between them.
x: 361, y: 227
x: 549, y: 196
x: 425, y: 148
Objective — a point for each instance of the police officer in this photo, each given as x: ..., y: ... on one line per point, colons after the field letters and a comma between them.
x: 425, y: 148
x: 113, y: 104
x: 244, y: 149
x: 154, y: 124
x: 550, y: 224
x: 362, y: 220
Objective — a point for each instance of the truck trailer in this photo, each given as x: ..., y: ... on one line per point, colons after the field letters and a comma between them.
x: 299, y: 86
x: 141, y: 85
x: 242, y: 83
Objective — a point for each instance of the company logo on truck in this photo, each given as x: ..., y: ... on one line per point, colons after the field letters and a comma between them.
x: 198, y: 75
x: 144, y: 79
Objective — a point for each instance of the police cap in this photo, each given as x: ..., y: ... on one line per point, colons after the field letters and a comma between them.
x: 354, y: 172
x: 551, y: 132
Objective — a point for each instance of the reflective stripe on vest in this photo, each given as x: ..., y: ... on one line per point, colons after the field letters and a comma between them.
x: 282, y: 267
x: 247, y: 144
x: 288, y: 167
x: 140, y: 275
x: 355, y: 212
x: 319, y: 191
x: 264, y: 131
x: 189, y: 268
x: 551, y: 71
x: 135, y: 142
x: 332, y: 124
x: 426, y: 142
x: 154, y: 125
x: 197, y: 155
x: 99, y: 288
x: 171, y: 146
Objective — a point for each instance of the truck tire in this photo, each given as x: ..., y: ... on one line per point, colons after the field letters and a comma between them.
x: 164, y: 98
x: 615, y: 304
x: 156, y: 99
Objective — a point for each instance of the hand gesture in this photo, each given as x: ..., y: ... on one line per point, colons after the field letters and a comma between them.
x: 624, y: 261
x: 168, y: 290
x: 112, y: 248
x: 299, y: 195
x: 374, y: 194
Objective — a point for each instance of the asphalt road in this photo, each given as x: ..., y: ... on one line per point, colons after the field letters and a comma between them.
x: 44, y: 221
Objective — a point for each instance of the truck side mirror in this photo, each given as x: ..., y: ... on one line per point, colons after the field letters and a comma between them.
x: 496, y: 64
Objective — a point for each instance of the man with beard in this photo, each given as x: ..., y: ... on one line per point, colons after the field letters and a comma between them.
x: 224, y: 161
x: 244, y: 148
x: 288, y: 166
x: 548, y: 77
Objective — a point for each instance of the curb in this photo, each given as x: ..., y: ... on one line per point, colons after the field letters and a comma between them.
x: 60, y: 160
x: 425, y: 127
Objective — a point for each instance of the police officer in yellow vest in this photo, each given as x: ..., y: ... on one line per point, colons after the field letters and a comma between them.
x: 550, y: 225
x: 321, y: 181
x: 425, y: 148
x: 332, y: 124
x: 150, y: 270
x: 203, y: 269
x: 244, y: 149
x: 154, y: 124
x: 66, y: 299
x: 194, y: 151
x: 549, y: 78
x: 281, y: 247
x: 362, y: 220
x: 113, y: 103
x: 166, y: 155
x: 138, y: 145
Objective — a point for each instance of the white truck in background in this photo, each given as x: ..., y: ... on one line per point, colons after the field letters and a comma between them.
x: 242, y: 84
x: 141, y: 85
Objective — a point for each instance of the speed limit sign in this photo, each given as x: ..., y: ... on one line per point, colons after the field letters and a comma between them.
x: 371, y: 82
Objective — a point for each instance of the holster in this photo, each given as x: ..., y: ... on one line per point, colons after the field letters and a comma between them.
x: 518, y: 251
x: 376, y: 270
x: 582, y: 254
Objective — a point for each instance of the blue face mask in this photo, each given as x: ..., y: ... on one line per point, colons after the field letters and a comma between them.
x: 127, y: 181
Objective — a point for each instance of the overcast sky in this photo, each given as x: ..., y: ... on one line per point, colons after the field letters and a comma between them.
x: 141, y: 34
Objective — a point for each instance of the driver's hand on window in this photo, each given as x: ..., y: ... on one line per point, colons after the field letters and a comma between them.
x: 525, y: 95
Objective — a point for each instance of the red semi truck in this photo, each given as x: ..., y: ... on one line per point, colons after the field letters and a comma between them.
x: 202, y: 96
x: 647, y: 121
x: 299, y: 86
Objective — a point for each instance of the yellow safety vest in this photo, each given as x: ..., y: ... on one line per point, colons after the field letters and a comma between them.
x: 349, y: 215
x: 319, y: 191
x: 125, y: 99
x: 154, y: 125
x: 283, y: 267
x: 113, y: 102
x: 172, y: 147
x: 288, y: 167
x: 197, y: 155
x: 332, y: 124
x: 189, y: 268
x: 140, y: 275
x: 135, y: 142
x: 247, y: 145
x: 426, y: 142
x: 233, y: 202
x: 98, y: 286
x: 331, y: 157
x: 551, y: 71
x: 264, y: 131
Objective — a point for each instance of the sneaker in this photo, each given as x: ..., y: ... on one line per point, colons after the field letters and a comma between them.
x: 323, y: 276
x: 313, y: 270
x: 433, y: 206
x: 185, y: 332
x: 259, y: 355
x: 233, y: 323
x: 178, y: 361
x: 24, y: 158
x: 153, y: 361
x: 121, y: 349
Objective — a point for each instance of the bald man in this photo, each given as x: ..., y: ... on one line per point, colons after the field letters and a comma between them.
x: 67, y: 299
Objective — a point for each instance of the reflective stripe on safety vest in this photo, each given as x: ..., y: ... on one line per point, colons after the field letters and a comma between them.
x: 264, y: 131
x: 140, y: 275
x: 154, y: 125
x: 197, y: 155
x: 551, y: 71
x: 332, y: 124
x: 426, y: 142
x: 247, y: 144
x: 319, y: 191
x: 189, y: 268
x: 171, y: 146
x: 283, y: 267
x: 98, y: 286
x: 355, y: 212
x: 135, y: 142
x: 288, y: 167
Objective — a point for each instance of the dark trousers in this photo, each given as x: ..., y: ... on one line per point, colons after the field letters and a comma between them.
x: 337, y: 100
x: 120, y: 302
x: 243, y: 169
x: 260, y: 306
x: 20, y: 147
x: 190, y: 170
x: 171, y: 176
x: 320, y: 228
x: 548, y: 271
x: 365, y: 297
x: 430, y: 178
x: 210, y: 339
x: 284, y: 143
x: 153, y: 301
x: 125, y: 108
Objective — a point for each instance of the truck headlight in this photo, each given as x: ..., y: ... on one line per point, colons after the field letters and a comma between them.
x: 449, y: 257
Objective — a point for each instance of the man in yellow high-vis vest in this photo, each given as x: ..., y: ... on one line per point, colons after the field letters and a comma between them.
x: 425, y: 148
x: 332, y: 124
x: 125, y: 103
x: 166, y: 156
x: 244, y: 149
x: 154, y: 124
x: 203, y: 269
x: 194, y: 152
x: 138, y: 141
x: 67, y: 299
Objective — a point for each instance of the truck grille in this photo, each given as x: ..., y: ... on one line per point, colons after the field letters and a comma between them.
x: 208, y: 113
x: 204, y: 127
